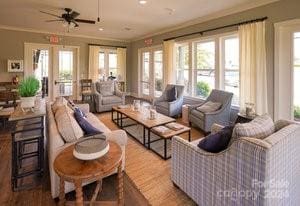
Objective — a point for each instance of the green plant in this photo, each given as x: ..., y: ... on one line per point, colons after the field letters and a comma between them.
x: 203, y: 89
x: 29, y: 87
x: 297, y: 112
x: 159, y: 84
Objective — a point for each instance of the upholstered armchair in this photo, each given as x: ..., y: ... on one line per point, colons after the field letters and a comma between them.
x: 107, y: 95
x: 170, y: 108
x: 204, y: 120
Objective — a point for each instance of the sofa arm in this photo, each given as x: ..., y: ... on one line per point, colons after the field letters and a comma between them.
x: 117, y: 136
x: 84, y: 107
x: 215, y: 128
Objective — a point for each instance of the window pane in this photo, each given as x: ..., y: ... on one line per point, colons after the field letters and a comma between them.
x: 232, y: 68
x: 182, y: 66
x: 65, y: 73
x: 158, y: 69
x: 146, y: 57
x: 101, y: 60
x: 297, y: 76
x: 205, y: 75
x: 112, y: 60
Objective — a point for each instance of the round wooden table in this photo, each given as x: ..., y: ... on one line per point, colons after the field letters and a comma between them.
x: 78, y: 171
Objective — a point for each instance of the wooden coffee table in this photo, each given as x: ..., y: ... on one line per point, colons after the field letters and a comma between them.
x: 141, y: 118
x: 78, y: 171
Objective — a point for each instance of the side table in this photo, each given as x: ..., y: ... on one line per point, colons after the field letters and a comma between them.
x: 243, y: 118
x: 185, y: 113
x: 78, y: 171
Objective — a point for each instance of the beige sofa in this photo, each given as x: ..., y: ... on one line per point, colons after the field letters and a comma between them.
x: 56, y: 144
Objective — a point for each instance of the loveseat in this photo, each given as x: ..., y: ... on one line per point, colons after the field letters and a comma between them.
x: 56, y: 143
x: 250, y: 171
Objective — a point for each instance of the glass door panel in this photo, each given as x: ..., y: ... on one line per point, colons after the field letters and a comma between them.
x: 158, y: 73
x: 146, y: 73
x: 296, y: 75
x: 41, y: 68
x: 65, y: 73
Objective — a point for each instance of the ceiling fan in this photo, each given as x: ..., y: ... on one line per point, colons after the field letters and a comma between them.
x: 69, y: 18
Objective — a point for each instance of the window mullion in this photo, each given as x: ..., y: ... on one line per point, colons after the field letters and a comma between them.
x: 218, y: 72
x: 191, y: 69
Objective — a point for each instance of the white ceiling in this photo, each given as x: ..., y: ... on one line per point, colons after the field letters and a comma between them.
x: 116, y: 15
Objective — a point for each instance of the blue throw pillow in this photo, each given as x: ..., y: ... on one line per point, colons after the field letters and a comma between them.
x: 171, y: 94
x: 217, y: 142
x: 84, y: 124
x: 76, y: 109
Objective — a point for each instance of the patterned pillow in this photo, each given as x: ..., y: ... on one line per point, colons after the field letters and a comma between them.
x: 67, y: 125
x: 209, y: 107
x: 107, y: 88
x: 261, y: 127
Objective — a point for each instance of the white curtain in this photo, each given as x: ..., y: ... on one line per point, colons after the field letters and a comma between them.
x: 94, y: 62
x: 253, y: 69
x: 168, y: 59
x: 121, y: 63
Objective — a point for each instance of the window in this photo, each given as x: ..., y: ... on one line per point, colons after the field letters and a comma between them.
x: 296, y: 76
x: 205, y: 68
x: 182, y: 66
x: 107, y: 62
x: 214, y: 64
x: 158, y: 72
x: 146, y: 73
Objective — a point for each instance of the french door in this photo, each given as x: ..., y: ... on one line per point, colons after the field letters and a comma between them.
x: 151, y: 72
x: 55, y: 66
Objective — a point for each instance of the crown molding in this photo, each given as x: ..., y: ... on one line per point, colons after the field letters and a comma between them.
x: 226, y: 12
x: 12, y: 28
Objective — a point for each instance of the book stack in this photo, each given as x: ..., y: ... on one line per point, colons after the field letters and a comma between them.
x: 161, y: 130
x: 175, y: 126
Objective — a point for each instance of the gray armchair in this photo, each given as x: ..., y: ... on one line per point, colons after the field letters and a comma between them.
x: 107, y: 95
x: 170, y: 108
x: 222, y: 116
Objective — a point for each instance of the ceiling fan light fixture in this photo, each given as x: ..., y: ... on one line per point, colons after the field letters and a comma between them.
x: 142, y: 2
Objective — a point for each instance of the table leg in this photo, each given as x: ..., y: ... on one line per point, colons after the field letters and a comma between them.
x: 62, y: 199
x: 165, y: 148
x: 149, y: 138
x: 112, y: 115
x: 144, y: 133
x: 120, y: 186
x: 121, y: 120
x: 189, y: 135
x: 79, y: 195
x: 96, y: 191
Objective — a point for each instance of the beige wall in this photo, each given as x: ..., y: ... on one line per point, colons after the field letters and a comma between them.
x: 12, y: 47
x: 276, y: 12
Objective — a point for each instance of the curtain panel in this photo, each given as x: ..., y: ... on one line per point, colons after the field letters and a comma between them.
x: 121, y: 64
x: 253, y: 69
x: 94, y: 63
x: 168, y: 59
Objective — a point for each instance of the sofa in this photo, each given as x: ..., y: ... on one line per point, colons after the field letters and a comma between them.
x: 106, y: 95
x: 56, y: 143
x: 173, y: 108
x: 264, y: 172
x: 205, y: 120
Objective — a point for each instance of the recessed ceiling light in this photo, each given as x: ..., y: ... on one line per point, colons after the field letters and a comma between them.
x: 101, y: 29
x: 142, y: 1
x: 128, y: 29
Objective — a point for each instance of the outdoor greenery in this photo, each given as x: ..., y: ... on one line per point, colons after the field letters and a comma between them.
x: 203, y: 89
x: 159, y: 84
x: 297, y: 112
x: 29, y: 87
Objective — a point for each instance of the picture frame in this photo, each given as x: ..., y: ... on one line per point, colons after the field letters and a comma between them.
x: 15, y: 66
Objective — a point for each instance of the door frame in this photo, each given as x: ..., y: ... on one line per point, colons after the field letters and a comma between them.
x: 151, y: 50
x: 28, y: 47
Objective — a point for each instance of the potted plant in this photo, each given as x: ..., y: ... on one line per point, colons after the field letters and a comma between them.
x: 28, y: 89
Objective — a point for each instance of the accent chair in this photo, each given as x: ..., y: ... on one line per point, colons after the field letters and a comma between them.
x: 170, y: 108
x: 204, y: 120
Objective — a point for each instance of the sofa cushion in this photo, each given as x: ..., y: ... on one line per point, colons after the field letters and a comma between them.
x: 217, y: 142
x: 261, y: 127
x: 67, y: 125
x: 106, y: 88
x: 162, y: 104
x: 88, y: 128
x: 59, y: 101
x: 197, y: 113
x: 111, y: 99
x: 209, y: 107
x: 93, y: 120
x: 171, y: 94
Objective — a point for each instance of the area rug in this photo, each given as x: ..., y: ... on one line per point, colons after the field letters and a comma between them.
x: 149, y: 172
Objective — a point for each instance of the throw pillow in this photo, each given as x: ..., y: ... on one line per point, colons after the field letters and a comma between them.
x: 171, y: 94
x: 76, y: 109
x: 59, y: 101
x: 209, y: 107
x: 261, y: 127
x: 217, y: 142
x: 107, y: 88
x: 67, y: 125
x: 85, y: 125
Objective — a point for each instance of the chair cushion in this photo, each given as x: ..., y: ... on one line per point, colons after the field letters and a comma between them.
x: 111, y: 99
x: 217, y: 142
x: 84, y: 124
x: 209, y: 107
x: 197, y: 113
x: 67, y: 124
x: 261, y: 127
x: 106, y: 88
x: 171, y: 94
x: 162, y: 104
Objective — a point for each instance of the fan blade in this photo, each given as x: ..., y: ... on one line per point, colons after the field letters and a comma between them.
x: 74, y: 14
x: 54, y: 20
x: 74, y: 22
x: 85, y: 21
x: 50, y: 14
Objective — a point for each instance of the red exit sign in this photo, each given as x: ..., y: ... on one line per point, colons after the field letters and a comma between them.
x: 53, y: 39
x: 148, y: 42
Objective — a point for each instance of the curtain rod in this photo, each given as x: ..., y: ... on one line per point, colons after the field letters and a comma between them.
x: 104, y: 45
x: 217, y: 28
